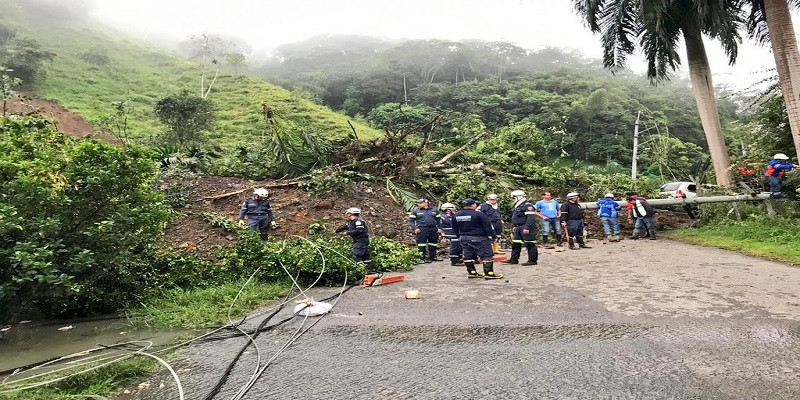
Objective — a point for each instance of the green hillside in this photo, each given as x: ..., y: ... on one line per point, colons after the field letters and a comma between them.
x: 141, y: 74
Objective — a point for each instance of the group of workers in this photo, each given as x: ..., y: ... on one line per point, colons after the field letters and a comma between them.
x: 474, y: 231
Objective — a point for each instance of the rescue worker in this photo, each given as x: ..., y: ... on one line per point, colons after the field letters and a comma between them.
x: 258, y: 212
x: 475, y: 231
x: 645, y: 217
x: 549, y: 211
x: 776, y: 169
x: 426, y: 224
x: 523, y: 217
x: 572, y: 220
x: 608, y: 211
x: 357, y: 229
x: 492, y: 210
x: 448, y: 209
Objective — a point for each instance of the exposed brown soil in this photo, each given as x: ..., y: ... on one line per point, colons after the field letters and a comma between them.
x: 66, y: 121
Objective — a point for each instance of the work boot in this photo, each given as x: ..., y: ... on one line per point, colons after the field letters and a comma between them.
x: 533, y: 254
x: 581, y: 243
x: 636, y: 234
x: 572, y: 244
x: 652, y: 235
x: 496, y: 248
x: 455, y: 261
x: 488, y: 271
x: 471, y: 272
x: 432, y: 254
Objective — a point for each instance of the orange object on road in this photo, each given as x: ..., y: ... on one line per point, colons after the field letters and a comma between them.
x: 377, y: 279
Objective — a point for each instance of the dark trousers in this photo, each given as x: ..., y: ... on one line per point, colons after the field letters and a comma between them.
x: 455, y: 248
x: 259, y: 223
x: 498, y: 227
x: 427, y: 242
x: 361, y: 252
x: 477, y: 246
x: 528, y: 240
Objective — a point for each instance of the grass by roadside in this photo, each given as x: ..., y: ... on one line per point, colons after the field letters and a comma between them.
x: 775, y: 238
x: 198, y: 308
x: 201, y: 308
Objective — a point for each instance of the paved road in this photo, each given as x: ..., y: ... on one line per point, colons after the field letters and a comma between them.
x: 629, y: 320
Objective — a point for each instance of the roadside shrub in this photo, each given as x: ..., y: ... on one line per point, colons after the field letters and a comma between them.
x: 75, y: 217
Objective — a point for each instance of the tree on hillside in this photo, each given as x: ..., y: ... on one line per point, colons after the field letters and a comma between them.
x: 187, y: 116
x: 658, y: 26
x: 24, y: 57
x: 771, y: 21
x: 211, y: 51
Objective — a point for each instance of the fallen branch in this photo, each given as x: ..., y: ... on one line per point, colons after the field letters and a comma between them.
x: 460, y: 149
x: 267, y: 186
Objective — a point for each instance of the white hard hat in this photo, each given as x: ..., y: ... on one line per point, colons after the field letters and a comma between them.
x: 780, y: 156
x: 609, y: 195
x: 261, y: 192
x: 491, y: 197
x: 353, y: 210
x: 518, y: 193
x: 448, y: 206
x: 572, y: 195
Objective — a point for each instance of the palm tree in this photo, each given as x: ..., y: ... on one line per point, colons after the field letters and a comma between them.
x: 656, y: 26
x: 771, y: 21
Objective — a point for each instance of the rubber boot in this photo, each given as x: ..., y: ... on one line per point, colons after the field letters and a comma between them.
x: 432, y: 254
x: 516, y: 250
x: 572, y: 244
x: 559, y: 240
x: 545, y: 244
x: 652, y: 235
x: 496, y: 248
x: 533, y: 254
x: 471, y: 272
x: 581, y: 243
x: 455, y: 261
x: 488, y: 271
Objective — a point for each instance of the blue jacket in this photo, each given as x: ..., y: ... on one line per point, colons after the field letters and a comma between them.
x: 777, y: 168
x: 493, y: 214
x: 608, y: 208
x: 253, y: 207
x: 524, y: 215
x: 356, y: 229
x: 470, y: 222
x: 424, y: 218
x: 447, y: 226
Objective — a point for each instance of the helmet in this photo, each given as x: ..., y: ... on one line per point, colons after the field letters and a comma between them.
x: 422, y: 201
x: 492, y: 197
x: 780, y: 156
x: 261, y: 192
x: 448, y: 206
x: 572, y: 195
x: 353, y: 210
x: 517, y: 193
x: 468, y: 202
x: 609, y: 195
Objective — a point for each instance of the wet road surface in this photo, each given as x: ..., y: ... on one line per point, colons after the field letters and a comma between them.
x: 629, y: 320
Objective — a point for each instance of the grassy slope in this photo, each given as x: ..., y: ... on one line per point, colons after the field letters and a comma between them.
x: 143, y: 74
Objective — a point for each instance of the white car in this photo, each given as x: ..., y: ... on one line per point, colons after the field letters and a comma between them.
x: 686, y: 189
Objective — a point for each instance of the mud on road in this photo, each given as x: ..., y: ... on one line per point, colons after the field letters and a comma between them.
x: 631, y: 320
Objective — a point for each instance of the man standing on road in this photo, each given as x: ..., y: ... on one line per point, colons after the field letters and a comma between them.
x: 549, y: 211
x: 523, y: 217
x: 776, y: 169
x: 448, y: 209
x: 475, y: 231
x: 492, y: 210
x: 357, y: 229
x: 258, y: 212
x: 608, y: 211
x: 645, y: 217
x: 426, y: 224
x: 572, y: 220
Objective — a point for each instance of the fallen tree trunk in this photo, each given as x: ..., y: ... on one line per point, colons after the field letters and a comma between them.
x: 215, y: 197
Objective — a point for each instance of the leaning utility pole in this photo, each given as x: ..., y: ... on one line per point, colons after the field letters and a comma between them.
x: 635, y: 146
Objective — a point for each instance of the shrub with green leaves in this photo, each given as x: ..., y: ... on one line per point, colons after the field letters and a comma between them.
x: 74, y: 218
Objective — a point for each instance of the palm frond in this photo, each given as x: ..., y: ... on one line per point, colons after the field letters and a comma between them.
x: 401, y: 196
x: 620, y: 24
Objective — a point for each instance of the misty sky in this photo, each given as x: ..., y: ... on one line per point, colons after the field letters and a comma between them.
x: 264, y: 24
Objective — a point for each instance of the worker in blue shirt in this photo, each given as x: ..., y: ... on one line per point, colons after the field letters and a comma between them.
x: 258, y: 212
x: 608, y: 211
x: 776, y: 169
x: 425, y: 222
x: 475, y: 231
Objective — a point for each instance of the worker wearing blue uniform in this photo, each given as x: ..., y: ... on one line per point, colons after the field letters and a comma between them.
x: 425, y: 222
x: 475, y: 231
x: 258, y: 212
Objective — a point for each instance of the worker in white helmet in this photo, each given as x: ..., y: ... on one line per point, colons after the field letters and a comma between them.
x: 492, y: 210
x: 776, y: 169
x: 258, y: 212
x: 357, y: 229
